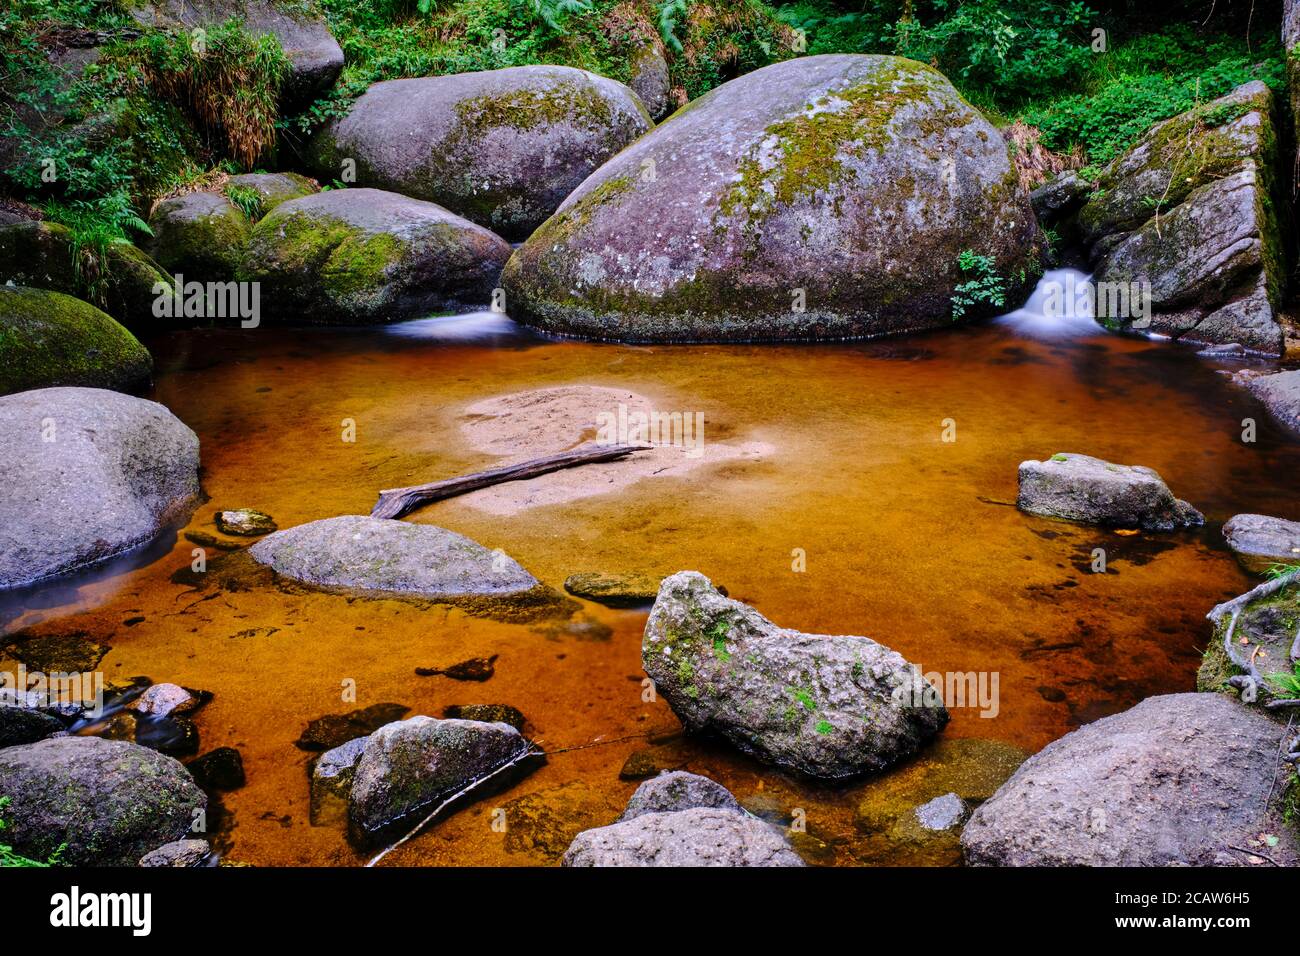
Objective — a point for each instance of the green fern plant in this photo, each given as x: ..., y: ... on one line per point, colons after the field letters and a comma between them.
x: 553, y: 12
x: 671, y: 14
x: 982, y: 286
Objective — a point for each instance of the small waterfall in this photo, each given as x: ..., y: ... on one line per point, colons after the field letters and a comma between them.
x: 1061, y: 307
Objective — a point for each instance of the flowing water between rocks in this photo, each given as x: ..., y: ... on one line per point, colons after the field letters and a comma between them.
x: 837, y: 450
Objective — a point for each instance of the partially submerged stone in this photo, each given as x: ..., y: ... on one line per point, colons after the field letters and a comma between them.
x: 678, y: 790
x: 181, y: 853
x: 219, y: 769
x: 1089, y: 490
x: 615, y: 590
x: 944, y: 813
x: 826, y: 706
x: 1280, y: 393
x: 703, y: 836
x: 392, y: 557
x: 334, y: 730
x: 487, y: 713
x: 163, y: 700
x: 245, y: 522
x: 1260, y: 541
x: 331, y: 782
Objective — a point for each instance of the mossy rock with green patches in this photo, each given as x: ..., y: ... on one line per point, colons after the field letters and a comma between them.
x: 365, y: 256
x: 44, y: 255
x: 48, y: 338
x: 201, y: 236
x: 823, y: 197
x: 502, y: 148
x: 271, y: 188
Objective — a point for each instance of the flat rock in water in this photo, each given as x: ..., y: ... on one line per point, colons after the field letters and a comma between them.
x: 704, y: 836
x: 182, y: 853
x: 1092, y: 491
x: 245, y: 522
x: 615, y: 590
x: 678, y: 790
x: 1280, y: 393
x: 109, y: 801
x: 1260, y: 541
x: 826, y: 706
x: 1177, y: 780
x: 120, y: 471
x: 334, y: 730
x: 393, y: 557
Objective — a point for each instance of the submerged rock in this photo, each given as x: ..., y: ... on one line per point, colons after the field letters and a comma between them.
x: 1280, y: 393
x: 1092, y: 491
x: 245, y: 522
x: 942, y: 813
x: 1178, y: 780
x: 358, y: 256
x: 677, y: 790
x: 331, y: 782
x: 1260, y: 541
x: 543, y: 824
x: 182, y: 853
x: 50, y: 339
x: 487, y: 713
x: 120, y: 471
x: 821, y: 197
x: 391, y: 557
x: 108, y: 801
x: 220, y: 769
x: 334, y: 730
x: 826, y: 706
x: 407, y: 768
x: 503, y: 148
x: 475, y: 669
x: 201, y: 236
x: 615, y: 590
x: 704, y: 836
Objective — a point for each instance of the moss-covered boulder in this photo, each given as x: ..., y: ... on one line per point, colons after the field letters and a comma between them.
x: 824, y: 197
x: 121, y: 279
x: 201, y: 236
x: 86, y: 474
x: 502, y: 148
x: 105, y: 802
x: 1188, y: 215
x: 48, y: 338
x: 271, y: 190
x: 359, y: 256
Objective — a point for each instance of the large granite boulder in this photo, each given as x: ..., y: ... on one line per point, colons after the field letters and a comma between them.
x: 201, y: 236
x: 48, y: 338
x: 105, y: 802
x: 359, y: 256
x: 391, y: 557
x: 1188, y: 216
x: 1178, y: 780
x: 824, y: 706
x: 821, y: 197
x: 502, y: 148
x: 86, y: 474
x: 1260, y: 541
x: 704, y: 836
x: 1280, y: 393
x: 1092, y: 491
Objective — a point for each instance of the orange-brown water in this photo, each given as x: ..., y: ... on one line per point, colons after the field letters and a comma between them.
x: 909, y: 539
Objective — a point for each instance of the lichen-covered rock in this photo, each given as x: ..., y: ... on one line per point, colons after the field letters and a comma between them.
x: 1260, y: 541
x: 377, y: 554
x: 678, y: 790
x: 331, y: 782
x: 108, y: 801
x: 821, y: 197
x: 358, y: 256
x: 43, y: 255
x: 502, y: 148
x: 826, y: 706
x: 48, y: 339
x: 315, y: 57
x: 181, y: 853
x: 1092, y: 491
x: 650, y: 80
x: 1178, y: 780
x: 272, y: 188
x: 1280, y: 393
x: 25, y: 725
x: 1190, y: 211
x: 201, y: 236
x: 116, y: 471
x: 704, y: 836
x: 408, y: 767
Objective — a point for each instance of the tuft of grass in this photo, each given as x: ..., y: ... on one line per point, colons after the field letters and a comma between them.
x: 248, y: 199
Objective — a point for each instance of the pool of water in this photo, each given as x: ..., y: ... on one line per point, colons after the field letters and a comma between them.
x: 908, y: 538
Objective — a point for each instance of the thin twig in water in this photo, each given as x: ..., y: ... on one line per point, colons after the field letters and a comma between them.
x: 1262, y: 856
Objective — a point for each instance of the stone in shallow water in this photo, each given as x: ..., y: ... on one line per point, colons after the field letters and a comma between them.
x: 331, y: 782
x: 476, y: 669
x: 616, y: 590
x: 678, y: 790
x: 181, y: 853
x: 1089, y: 490
x: 245, y: 522
x: 1280, y: 393
x: 392, y: 557
x: 1260, y: 541
x: 703, y: 836
x: 942, y: 813
x: 487, y: 713
x: 163, y: 700
x: 334, y: 730
x: 220, y: 769
x: 542, y: 824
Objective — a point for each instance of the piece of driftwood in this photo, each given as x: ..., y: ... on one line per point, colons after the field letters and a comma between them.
x: 395, y: 502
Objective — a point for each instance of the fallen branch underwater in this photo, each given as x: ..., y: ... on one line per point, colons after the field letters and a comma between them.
x: 396, y: 502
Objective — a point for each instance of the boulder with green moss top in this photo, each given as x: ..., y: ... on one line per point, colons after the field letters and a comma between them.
x: 46, y: 255
x: 201, y: 236
x: 315, y: 57
x: 1091, y: 491
x: 1187, y: 217
x: 650, y: 80
x: 362, y: 256
x: 271, y: 189
x: 502, y: 148
x: 48, y: 339
x: 1291, y: 44
x: 829, y: 707
x: 823, y: 197
x: 86, y: 474
x: 105, y: 802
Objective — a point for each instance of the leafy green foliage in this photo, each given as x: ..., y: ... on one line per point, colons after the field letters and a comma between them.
x: 671, y: 13
x: 983, y: 287
x: 1284, y: 684
x: 247, y: 199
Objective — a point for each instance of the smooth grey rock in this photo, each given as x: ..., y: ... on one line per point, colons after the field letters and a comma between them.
x: 118, y: 471
x: 1175, y: 781
x: 942, y: 813
x: 331, y: 782
x: 821, y: 197
x: 406, y: 768
x: 502, y: 148
x: 181, y: 853
x: 358, y: 256
x: 377, y: 554
x: 1059, y: 197
x: 1280, y: 393
x: 109, y: 801
x: 704, y: 836
x: 200, y: 236
x: 1260, y: 541
x: 678, y: 790
x: 23, y: 725
x: 163, y: 700
x: 1092, y: 491
x: 826, y: 706
x: 650, y: 81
